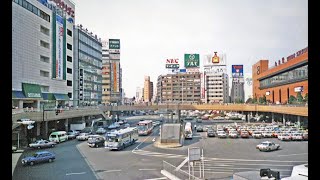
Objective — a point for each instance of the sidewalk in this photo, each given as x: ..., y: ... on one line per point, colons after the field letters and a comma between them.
x: 15, y: 158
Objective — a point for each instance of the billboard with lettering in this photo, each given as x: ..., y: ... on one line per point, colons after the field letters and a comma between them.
x: 191, y: 60
x: 215, y: 59
x: 59, y: 48
x: 172, y: 63
x: 237, y: 71
x: 114, y: 43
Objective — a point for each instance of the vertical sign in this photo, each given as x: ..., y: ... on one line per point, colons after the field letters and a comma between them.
x: 115, y: 77
x: 59, y: 47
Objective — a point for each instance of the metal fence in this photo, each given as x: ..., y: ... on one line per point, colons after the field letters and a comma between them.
x: 177, y: 173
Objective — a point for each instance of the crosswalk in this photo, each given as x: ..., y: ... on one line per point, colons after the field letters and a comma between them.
x: 156, y: 154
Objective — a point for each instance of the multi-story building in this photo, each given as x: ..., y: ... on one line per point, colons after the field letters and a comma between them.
x: 148, y: 89
x: 288, y: 77
x: 237, y: 92
x: 139, y: 95
x: 215, y: 80
x: 182, y: 87
x: 111, y: 72
x: 87, y: 67
x: 42, y: 53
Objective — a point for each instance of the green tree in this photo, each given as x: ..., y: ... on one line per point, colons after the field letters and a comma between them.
x: 249, y: 100
x: 299, y: 97
x: 254, y: 100
x: 292, y: 99
x: 306, y: 97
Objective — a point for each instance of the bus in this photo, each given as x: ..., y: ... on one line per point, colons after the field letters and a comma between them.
x: 188, y: 131
x: 145, y: 127
x: 121, y: 138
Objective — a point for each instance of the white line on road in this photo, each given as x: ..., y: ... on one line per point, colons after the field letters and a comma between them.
x: 147, y: 169
x: 116, y: 170
x: 75, y: 173
x: 143, y: 141
x: 157, y: 178
x: 293, y: 154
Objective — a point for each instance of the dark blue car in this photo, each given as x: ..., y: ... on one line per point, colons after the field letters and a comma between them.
x: 38, y: 157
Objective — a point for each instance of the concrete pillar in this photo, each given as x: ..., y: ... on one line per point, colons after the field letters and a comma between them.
x: 46, y: 130
x: 284, y: 119
x: 38, y: 128
x: 272, y: 117
x: 66, y: 122
x: 38, y: 105
x: 20, y: 104
x: 298, y: 117
x: 179, y: 115
x: 57, y: 103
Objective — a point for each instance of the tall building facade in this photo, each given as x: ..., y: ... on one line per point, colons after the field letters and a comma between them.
x: 42, y: 53
x: 87, y: 67
x: 111, y: 72
x: 148, y: 89
x: 237, y: 90
x: 288, y: 77
x: 215, y: 80
x: 182, y: 87
x: 139, y: 94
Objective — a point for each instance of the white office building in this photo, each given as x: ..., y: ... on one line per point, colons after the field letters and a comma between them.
x: 42, y: 53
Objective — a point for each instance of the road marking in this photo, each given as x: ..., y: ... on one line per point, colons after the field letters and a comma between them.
x: 293, y: 154
x: 157, y: 178
x: 182, y: 164
x: 143, y: 141
x: 253, y: 160
x: 147, y: 169
x: 75, y: 173
x: 116, y: 170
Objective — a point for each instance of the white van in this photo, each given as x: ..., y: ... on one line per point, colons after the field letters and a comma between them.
x: 58, y: 136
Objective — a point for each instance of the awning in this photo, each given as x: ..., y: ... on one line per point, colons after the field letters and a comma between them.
x: 31, y: 90
x: 17, y: 95
x: 48, y: 96
x: 61, y: 97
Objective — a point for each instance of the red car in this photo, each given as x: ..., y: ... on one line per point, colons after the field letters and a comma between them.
x: 244, y: 134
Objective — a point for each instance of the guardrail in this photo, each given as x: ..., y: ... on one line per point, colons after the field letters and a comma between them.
x: 180, y: 174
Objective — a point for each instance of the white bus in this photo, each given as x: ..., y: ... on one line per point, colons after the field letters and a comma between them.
x: 145, y: 127
x: 121, y: 138
x: 188, y: 131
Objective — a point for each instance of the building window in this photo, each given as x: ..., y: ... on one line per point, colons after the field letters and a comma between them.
x: 44, y: 88
x: 44, y: 30
x: 44, y: 73
x: 69, y: 70
x: 44, y: 59
x: 69, y: 46
x: 69, y: 83
x: 69, y: 32
x: 69, y: 58
x: 69, y: 94
x: 44, y: 44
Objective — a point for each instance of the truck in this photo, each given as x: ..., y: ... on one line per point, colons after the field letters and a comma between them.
x: 78, y: 126
x: 188, y: 131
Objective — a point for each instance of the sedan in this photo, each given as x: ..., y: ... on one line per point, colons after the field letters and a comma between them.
x: 268, y: 146
x: 244, y: 134
x: 42, y: 144
x: 101, y: 131
x: 83, y: 136
x: 199, y: 128
x: 284, y: 137
x: 71, y: 135
x: 222, y: 134
x: 297, y: 137
x: 126, y: 125
x: 38, y: 157
x: 211, y: 133
x: 305, y: 136
x: 257, y: 135
x: 233, y: 134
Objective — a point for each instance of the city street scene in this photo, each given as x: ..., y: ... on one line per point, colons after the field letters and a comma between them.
x: 146, y: 90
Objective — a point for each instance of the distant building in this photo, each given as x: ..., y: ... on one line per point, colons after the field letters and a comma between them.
x: 237, y: 92
x: 182, y: 87
x: 284, y: 79
x: 148, y: 89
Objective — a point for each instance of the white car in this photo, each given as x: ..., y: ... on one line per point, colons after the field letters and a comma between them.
x: 126, y: 125
x: 267, y: 146
x: 257, y: 134
x: 297, y: 137
x: 284, y: 137
x: 83, y: 136
x: 233, y: 134
x: 221, y: 134
x: 114, y: 125
x: 267, y: 134
x: 120, y: 122
x: 101, y: 131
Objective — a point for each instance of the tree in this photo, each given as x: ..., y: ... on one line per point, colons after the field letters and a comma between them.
x: 306, y: 97
x: 254, y: 100
x: 299, y: 97
x: 292, y: 99
x: 249, y: 101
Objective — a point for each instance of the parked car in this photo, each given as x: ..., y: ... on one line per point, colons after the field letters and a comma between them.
x: 58, y: 136
x: 297, y: 137
x: 211, y: 133
x: 233, y: 134
x: 305, y: 136
x: 284, y: 137
x: 267, y: 146
x: 83, y: 136
x: 120, y: 122
x: 205, y: 117
x: 199, y: 120
x: 199, y: 128
x: 71, y: 135
x: 221, y: 134
x: 101, y: 131
x: 42, y: 144
x: 76, y: 133
x: 126, y: 125
x: 257, y: 135
x: 95, y: 141
x: 244, y: 134
x: 267, y: 134
x: 38, y: 157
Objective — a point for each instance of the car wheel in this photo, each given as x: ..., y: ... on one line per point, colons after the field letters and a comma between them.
x: 278, y: 147
x: 38, y: 147
x: 52, y: 145
x: 50, y: 160
x: 31, y: 163
x: 97, y: 145
x: 269, y: 149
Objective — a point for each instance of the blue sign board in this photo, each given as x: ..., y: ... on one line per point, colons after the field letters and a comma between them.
x: 237, y: 71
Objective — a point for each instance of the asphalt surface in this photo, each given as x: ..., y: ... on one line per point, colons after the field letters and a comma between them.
x: 69, y: 164
x: 222, y: 158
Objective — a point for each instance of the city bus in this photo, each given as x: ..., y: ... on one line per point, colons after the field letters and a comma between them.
x: 145, y: 127
x: 121, y: 138
x: 188, y: 131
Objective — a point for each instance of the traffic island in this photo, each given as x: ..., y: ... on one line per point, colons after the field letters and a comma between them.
x: 158, y: 144
x: 170, y: 136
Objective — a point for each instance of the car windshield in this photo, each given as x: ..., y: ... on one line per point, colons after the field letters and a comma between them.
x: 142, y: 128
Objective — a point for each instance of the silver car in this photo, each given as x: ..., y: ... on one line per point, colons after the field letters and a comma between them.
x: 42, y: 144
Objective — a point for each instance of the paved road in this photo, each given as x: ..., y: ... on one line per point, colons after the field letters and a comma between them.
x: 69, y: 164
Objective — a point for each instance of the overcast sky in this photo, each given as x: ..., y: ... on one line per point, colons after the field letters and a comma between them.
x: 150, y: 31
